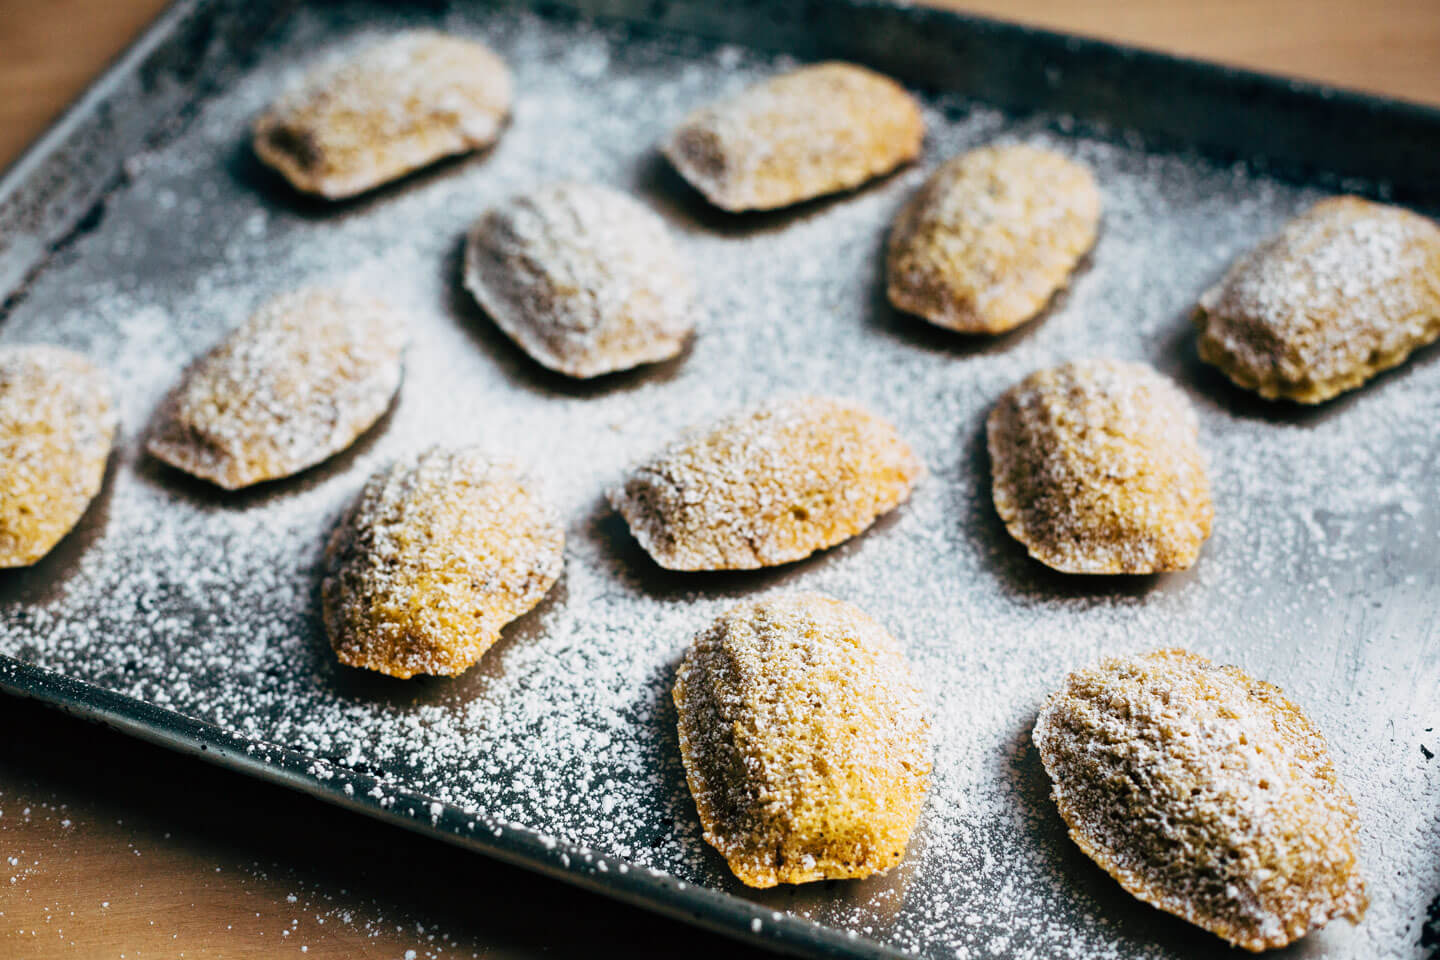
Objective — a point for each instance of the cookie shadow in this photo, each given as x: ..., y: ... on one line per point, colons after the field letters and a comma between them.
x: 916, y: 331
x: 1022, y: 577
x: 607, y: 530
x: 251, y: 174
x: 1178, y: 356
x: 207, y: 496
x: 523, y: 371
x: 489, y: 672
x: 686, y: 208
x: 676, y: 829
x: 43, y: 581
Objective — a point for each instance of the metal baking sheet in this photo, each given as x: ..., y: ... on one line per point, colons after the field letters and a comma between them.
x: 140, y: 228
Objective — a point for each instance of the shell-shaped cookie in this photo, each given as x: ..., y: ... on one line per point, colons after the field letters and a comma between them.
x: 585, y: 279
x: 767, y: 486
x: 391, y: 108
x: 1344, y: 291
x: 991, y: 237
x: 1097, y: 468
x: 438, y: 553
x: 816, y: 130
x: 804, y: 740
x: 299, y: 381
x: 57, y: 422
x: 1206, y: 793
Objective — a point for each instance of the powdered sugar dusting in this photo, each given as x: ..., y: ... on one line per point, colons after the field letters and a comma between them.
x: 804, y: 739
x: 802, y: 134
x: 299, y: 381
x: 384, y: 110
x: 439, y: 553
x: 991, y: 236
x: 1097, y: 469
x: 1345, y: 290
x: 585, y: 279
x: 1245, y: 830
x: 1320, y: 575
x: 57, y: 422
x: 767, y: 485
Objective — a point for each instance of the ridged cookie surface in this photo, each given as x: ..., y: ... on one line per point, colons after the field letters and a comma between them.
x: 296, y: 383
x: 767, y: 486
x: 804, y: 739
x: 816, y: 130
x: 437, y: 554
x: 391, y: 108
x: 1344, y: 291
x: 585, y: 279
x: 991, y: 237
x: 1206, y: 793
x: 57, y: 422
x: 1097, y: 468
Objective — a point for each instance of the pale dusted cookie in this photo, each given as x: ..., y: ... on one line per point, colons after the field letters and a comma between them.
x: 57, y: 422
x: 585, y: 279
x: 1206, y: 793
x: 1097, y: 468
x: 767, y: 486
x: 438, y: 553
x: 817, y: 130
x: 1344, y: 291
x: 296, y: 383
x: 985, y: 244
x: 804, y: 739
x: 391, y: 108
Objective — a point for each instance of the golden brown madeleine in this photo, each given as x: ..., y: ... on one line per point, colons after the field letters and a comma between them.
x: 438, y: 553
x: 985, y: 244
x: 804, y: 739
x: 1344, y: 291
x: 816, y: 130
x: 767, y: 486
x: 585, y: 279
x: 1097, y: 468
x: 391, y: 108
x: 1206, y: 793
x: 57, y: 422
x: 295, y: 384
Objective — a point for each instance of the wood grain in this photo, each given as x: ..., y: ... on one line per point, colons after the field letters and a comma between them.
x: 1381, y: 46
x: 112, y: 848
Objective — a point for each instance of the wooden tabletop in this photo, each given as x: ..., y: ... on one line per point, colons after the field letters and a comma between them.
x: 113, y: 848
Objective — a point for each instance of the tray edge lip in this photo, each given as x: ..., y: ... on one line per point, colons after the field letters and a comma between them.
x: 1295, y: 86
x: 159, y: 29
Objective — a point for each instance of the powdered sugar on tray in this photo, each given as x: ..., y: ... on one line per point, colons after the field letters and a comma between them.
x: 1320, y: 576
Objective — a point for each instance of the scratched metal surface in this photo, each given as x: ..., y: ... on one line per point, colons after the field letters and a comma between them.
x: 189, y: 616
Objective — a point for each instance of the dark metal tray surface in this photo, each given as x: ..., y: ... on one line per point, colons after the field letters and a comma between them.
x: 141, y: 227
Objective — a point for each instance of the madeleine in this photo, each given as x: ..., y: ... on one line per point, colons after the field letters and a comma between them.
x: 1206, y: 793
x: 57, y: 424
x: 804, y: 739
x: 1097, y: 468
x: 1346, y: 290
x: 295, y: 384
x: 766, y: 486
x: 817, y: 130
x: 438, y: 553
x: 393, y: 107
x: 991, y: 237
x: 584, y: 279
